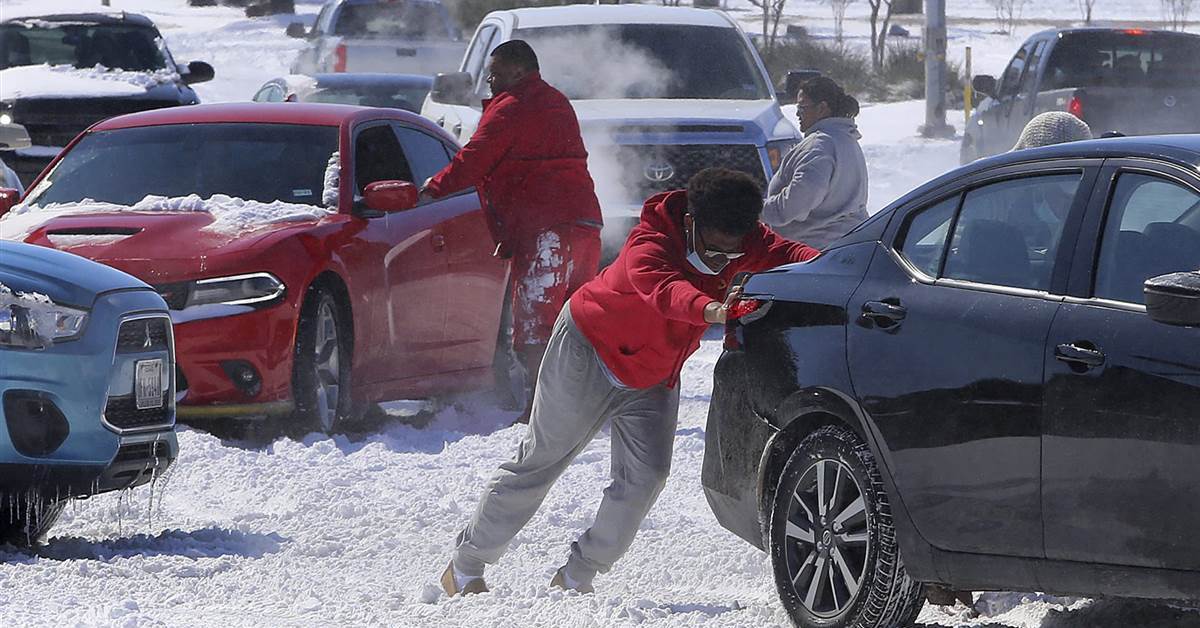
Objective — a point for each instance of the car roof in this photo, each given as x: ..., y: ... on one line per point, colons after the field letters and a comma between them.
x: 574, y: 15
x: 312, y: 114
x: 1182, y: 150
x: 97, y: 17
x: 1101, y: 29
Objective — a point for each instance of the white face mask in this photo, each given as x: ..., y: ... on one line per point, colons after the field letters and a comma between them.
x: 694, y: 256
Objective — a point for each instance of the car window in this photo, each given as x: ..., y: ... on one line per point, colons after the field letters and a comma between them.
x: 324, y: 18
x: 924, y: 240
x: 1151, y: 230
x: 1124, y: 58
x: 1029, y: 79
x: 1012, y: 74
x: 378, y: 157
x: 478, y: 48
x: 270, y: 93
x: 393, y: 19
x: 426, y: 154
x: 1007, y: 233
x: 81, y: 44
x: 479, y: 71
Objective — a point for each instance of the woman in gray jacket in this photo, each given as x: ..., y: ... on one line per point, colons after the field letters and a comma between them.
x: 820, y: 190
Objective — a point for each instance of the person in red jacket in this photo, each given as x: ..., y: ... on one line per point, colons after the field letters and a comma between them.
x: 528, y: 160
x: 615, y: 356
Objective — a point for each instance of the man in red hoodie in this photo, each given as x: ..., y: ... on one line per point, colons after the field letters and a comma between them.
x: 615, y: 355
x: 528, y: 160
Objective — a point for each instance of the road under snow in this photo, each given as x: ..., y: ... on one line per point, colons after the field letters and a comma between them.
x: 354, y: 530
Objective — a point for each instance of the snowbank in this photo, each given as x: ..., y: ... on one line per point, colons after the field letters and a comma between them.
x: 67, y: 81
x: 231, y: 215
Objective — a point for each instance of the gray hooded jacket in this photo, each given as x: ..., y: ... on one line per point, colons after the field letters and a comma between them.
x: 820, y: 190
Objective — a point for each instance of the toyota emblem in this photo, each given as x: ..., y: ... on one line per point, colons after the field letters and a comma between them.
x: 659, y: 172
x: 1169, y: 101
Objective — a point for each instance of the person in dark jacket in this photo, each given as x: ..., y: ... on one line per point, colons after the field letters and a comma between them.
x: 615, y: 356
x: 528, y: 160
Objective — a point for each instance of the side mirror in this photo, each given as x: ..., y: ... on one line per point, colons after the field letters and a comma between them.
x: 297, y: 30
x: 198, y: 72
x: 8, y: 199
x: 792, y: 81
x: 391, y: 196
x: 453, y: 88
x: 14, y: 136
x: 1174, y: 299
x: 984, y: 84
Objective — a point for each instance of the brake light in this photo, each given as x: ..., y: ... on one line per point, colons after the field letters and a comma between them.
x: 741, y: 312
x: 1075, y: 107
x: 742, y: 307
x: 339, y: 58
x: 1135, y: 31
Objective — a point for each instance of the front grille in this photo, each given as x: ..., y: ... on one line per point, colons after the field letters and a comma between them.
x: 645, y: 163
x: 144, y: 334
x: 122, y: 413
x: 138, y: 452
x: 56, y: 121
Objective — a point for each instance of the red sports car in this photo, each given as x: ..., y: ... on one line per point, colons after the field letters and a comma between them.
x: 303, y: 275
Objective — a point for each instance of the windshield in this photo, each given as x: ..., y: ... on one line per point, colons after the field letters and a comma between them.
x: 647, y: 61
x: 407, y: 98
x: 128, y: 47
x: 402, y: 20
x: 1124, y: 59
x: 260, y: 162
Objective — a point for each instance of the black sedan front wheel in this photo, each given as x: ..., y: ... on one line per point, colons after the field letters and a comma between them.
x: 834, y: 551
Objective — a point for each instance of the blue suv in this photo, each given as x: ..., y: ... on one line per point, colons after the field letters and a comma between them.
x: 87, y: 392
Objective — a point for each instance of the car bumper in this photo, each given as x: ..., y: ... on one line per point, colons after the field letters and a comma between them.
x: 235, y: 365
x: 75, y: 443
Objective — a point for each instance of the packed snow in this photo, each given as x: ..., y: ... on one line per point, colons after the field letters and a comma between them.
x: 66, y: 81
x: 354, y: 530
x: 231, y: 215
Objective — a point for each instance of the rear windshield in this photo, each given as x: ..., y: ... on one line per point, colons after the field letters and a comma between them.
x: 647, y: 61
x: 406, y: 98
x: 83, y: 45
x: 1124, y: 58
x: 260, y: 162
x: 399, y: 19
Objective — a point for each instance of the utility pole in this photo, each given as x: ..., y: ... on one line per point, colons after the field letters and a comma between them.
x: 935, y: 71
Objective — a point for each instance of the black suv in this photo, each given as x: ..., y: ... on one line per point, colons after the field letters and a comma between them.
x: 117, y: 49
x: 992, y: 384
x: 1131, y: 80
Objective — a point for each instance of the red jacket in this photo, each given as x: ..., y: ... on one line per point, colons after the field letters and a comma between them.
x: 644, y: 314
x: 528, y: 160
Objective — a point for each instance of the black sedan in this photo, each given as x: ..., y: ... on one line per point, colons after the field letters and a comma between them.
x: 395, y: 91
x: 992, y: 384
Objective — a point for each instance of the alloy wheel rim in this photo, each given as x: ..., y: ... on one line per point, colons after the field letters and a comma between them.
x: 827, y: 538
x: 325, y: 365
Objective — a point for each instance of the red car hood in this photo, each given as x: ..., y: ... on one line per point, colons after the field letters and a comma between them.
x: 156, y: 247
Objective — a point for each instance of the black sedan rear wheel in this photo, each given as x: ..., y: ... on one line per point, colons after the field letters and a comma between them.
x: 833, y: 548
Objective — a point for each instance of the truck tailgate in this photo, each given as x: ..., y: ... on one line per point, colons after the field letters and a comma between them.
x: 401, y: 57
x: 1131, y: 110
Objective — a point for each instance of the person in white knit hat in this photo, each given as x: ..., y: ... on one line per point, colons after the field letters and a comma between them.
x: 1053, y: 127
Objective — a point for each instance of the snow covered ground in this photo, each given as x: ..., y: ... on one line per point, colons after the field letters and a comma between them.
x: 354, y: 530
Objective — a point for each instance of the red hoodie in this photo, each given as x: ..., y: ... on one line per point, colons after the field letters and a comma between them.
x: 527, y: 158
x: 644, y: 314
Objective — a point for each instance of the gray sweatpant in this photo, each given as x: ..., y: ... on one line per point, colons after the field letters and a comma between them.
x: 573, y: 400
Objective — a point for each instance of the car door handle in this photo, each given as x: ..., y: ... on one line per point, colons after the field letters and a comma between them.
x: 1075, y: 354
x: 438, y: 241
x: 882, y: 311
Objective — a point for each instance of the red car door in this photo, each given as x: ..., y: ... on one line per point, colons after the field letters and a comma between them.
x: 475, y: 279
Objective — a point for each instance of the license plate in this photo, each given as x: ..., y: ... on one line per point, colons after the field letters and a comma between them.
x: 147, y: 384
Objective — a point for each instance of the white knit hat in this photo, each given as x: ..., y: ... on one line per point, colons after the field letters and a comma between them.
x: 1053, y: 127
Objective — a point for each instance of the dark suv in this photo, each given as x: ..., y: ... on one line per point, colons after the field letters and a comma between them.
x: 992, y: 384
x: 59, y: 74
x: 1131, y: 80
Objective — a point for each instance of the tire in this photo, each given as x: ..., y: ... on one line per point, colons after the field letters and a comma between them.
x: 839, y: 567
x: 25, y: 520
x: 321, y: 369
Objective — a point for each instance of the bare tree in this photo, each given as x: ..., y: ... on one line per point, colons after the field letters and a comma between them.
x: 839, y: 17
x: 1085, y: 9
x: 1176, y: 12
x: 1009, y: 11
x: 772, y: 12
x: 879, y: 31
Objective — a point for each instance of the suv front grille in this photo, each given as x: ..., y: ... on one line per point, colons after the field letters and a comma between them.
x: 122, y: 413
x: 144, y: 334
x: 647, y: 166
x: 56, y: 121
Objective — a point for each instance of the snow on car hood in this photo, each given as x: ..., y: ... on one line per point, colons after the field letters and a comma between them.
x: 230, y: 216
x: 67, y: 81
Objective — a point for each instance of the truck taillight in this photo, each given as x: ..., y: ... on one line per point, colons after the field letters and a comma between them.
x: 1075, y: 107
x: 339, y: 58
x: 741, y: 312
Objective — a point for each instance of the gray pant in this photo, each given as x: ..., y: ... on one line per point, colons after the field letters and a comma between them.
x: 573, y: 400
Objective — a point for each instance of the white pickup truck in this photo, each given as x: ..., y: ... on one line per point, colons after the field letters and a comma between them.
x: 398, y: 36
x: 661, y: 93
